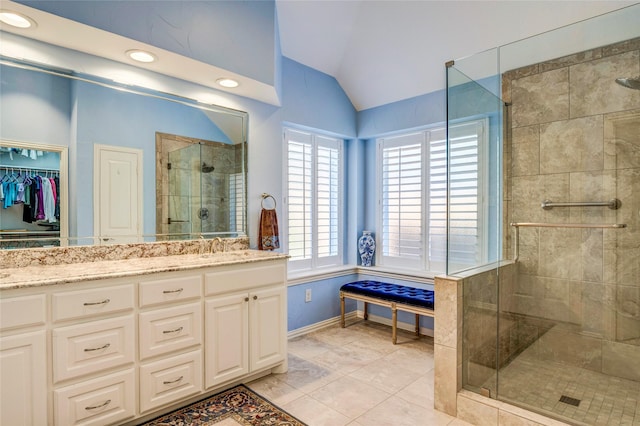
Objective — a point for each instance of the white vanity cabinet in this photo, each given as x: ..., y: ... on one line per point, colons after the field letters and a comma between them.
x: 93, y: 353
x: 23, y: 362
x: 170, y: 338
x: 118, y: 350
x: 245, y: 321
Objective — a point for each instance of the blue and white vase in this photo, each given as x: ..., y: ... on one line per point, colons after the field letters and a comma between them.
x: 366, y: 247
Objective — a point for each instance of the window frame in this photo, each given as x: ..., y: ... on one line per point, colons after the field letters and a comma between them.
x: 425, y: 263
x: 316, y: 141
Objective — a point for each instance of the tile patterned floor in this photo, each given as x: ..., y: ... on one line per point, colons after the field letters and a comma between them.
x: 355, y: 376
x: 604, y: 400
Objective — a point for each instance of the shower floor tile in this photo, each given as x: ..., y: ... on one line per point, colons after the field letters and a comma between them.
x: 604, y: 400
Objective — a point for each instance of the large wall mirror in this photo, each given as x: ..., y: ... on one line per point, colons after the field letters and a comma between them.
x: 180, y: 164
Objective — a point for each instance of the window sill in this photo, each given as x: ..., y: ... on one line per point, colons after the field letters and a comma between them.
x: 299, y: 277
x: 401, y: 274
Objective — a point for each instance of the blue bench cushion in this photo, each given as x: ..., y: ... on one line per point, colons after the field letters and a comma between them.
x: 392, y: 292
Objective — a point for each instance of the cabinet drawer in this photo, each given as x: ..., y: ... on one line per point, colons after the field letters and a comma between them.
x: 85, y: 303
x: 170, y: 290
x: 169, y: 329
x: 234, y: 279
x: 109, y: 399
x: 90, y: 347
x: 163, y: 382
x: 22, y: 311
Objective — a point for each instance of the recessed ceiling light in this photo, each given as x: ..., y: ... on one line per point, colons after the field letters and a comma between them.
x: 141, y: 56
x: 17, y: 20
x: 227, y: 82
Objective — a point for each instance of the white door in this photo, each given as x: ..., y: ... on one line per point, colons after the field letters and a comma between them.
x: 118, y: 194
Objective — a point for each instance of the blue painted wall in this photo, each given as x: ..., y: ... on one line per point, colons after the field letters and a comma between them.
x: 34, y: 107
x: 325, y: 302
x: 402, y: 115
x: 111, y: 117
x: 312, y: 99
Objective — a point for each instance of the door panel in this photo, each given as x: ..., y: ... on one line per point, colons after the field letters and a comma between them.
x: 118, y: 194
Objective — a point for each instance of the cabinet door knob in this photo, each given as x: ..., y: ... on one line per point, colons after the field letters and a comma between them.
x: 246, y: 299
x: 255, y: 297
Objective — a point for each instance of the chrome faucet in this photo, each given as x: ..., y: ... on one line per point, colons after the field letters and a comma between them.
x: 215, y: 245
x: 202, y: 245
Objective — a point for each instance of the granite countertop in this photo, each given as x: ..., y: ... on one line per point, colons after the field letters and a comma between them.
x: 41, y: 275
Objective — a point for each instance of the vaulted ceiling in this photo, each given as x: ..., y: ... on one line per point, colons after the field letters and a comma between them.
x: 379, y: 51
x: 385, y: 51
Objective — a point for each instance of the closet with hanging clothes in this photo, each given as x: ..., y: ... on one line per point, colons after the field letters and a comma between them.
x: 30, y: 197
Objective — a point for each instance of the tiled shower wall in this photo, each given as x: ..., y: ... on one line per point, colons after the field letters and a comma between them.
x: 573, y: 135
x: 192, y: 190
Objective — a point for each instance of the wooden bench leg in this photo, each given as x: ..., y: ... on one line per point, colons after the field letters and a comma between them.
x: 394, y: 324
x: 366, y: 310
x: 341, y: 310
x: 417, y: 324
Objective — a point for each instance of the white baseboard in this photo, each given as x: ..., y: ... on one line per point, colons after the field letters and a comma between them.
x: 358, y: 314
x: 319, y: 325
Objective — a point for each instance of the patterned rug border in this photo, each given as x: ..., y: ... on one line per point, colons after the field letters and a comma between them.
x: 240, y: 403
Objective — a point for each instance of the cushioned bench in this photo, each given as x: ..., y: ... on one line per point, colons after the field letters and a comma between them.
x: 394, y: 296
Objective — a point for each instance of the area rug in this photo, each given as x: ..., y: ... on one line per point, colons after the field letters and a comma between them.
x: 239, y: 404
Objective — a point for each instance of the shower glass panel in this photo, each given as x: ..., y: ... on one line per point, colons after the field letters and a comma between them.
x: 474, y: 218
x: 206, y: 189
x: 564, y: 307
x: 222, y: 188
x: 184, y: 190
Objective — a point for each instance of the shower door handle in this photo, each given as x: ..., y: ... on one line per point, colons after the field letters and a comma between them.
x: 170, y: 221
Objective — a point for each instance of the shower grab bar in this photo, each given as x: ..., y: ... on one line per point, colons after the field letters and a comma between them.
x: 518, y: 225
x: 613, y: 204
x: 568, y: 225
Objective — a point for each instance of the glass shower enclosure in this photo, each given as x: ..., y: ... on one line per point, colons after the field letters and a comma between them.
x: 206, y: 194
x: 552, y: 322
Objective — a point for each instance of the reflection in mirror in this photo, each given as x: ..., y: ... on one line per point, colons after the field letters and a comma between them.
x: 46, y: 107
x: 199, y: 186
x: 33, y: 210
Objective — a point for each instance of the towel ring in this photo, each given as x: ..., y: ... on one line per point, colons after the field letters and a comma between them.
x: 264, y: 197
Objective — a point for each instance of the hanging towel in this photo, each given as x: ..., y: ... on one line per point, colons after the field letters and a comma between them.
x: 268, y: 238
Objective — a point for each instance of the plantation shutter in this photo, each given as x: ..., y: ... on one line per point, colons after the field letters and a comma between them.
x: 465, y: 248
x: 437, y: 200
x: 314, y: 193
x: 327, y: 199
x: 401, y: 200
x: 237, y: 202
x: 299, y: 195
x: 413, y: 175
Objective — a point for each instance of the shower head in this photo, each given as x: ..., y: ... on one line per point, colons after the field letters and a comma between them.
x: 631, y: 83
x: 206, y: 169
